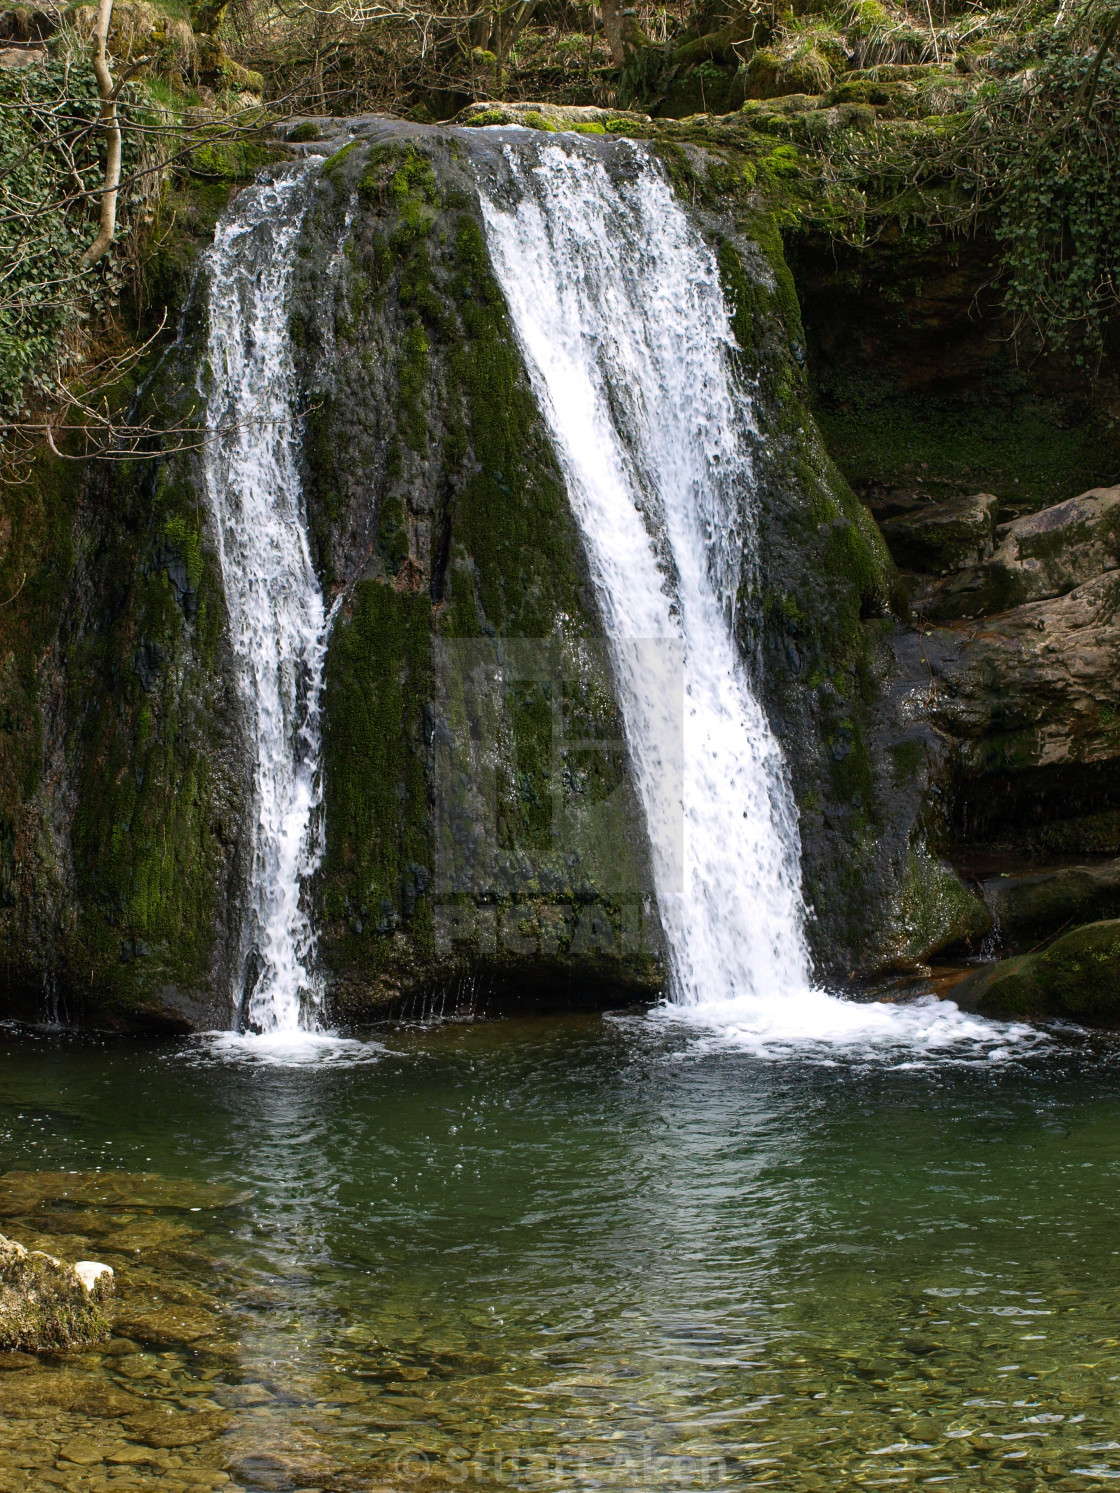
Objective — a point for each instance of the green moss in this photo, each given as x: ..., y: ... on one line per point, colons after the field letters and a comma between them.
x: 378, y: 683
x: 392, y: 533
x: 333, y: 162
x: 412, y: 387
x: 907, y: 759
x: 44, y: 1307
x: 230, y: 160
x: 512, y: 516
x: 147, y: 841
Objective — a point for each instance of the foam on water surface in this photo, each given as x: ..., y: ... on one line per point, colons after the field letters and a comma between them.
x: 282, y: 1049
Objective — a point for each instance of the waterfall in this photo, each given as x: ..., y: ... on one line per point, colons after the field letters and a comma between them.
x: 619, y: 311
x: 278, y: 623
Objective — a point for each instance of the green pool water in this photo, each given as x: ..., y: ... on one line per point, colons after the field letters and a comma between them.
x: 565, y: 1254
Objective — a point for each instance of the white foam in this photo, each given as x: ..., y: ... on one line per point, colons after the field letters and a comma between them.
x: 822, y: 1027
x: 282, y: 1049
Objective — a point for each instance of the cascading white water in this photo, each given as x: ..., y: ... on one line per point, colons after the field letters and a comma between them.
x: 617, y: 304
x: 278, y: 623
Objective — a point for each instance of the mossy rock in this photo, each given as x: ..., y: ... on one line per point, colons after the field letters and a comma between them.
x: 580, y: 118
x: 944, y: 536
x: 771, y: 74
x: 1078, y: 977
x: 44, y: 1304
x: 933, y: 911
x: 1038, y: 904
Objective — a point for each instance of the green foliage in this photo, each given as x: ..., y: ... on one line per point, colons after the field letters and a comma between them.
x: 1027, y: 149
x: 1059, y: 204
x: 50, y: 169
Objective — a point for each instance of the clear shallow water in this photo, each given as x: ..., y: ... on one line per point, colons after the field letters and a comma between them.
x: 570, y: 1253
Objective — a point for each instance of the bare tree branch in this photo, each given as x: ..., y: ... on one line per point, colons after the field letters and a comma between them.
x: 111, y: 126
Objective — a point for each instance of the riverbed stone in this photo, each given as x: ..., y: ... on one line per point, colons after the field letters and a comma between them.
x: 44, y: 1303
x: 1077, y: 977
x: 166, y: 1327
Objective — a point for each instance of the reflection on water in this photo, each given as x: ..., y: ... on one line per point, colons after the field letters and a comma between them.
x: 568, y: 1254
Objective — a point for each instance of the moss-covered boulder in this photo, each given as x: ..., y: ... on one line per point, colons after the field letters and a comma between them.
x: 46, y: 1305
x: 1078, y: 977
x: 1042, y: 555
x: 932, y: 912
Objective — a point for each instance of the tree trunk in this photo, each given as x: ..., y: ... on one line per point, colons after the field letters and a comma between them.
x: 111, y: 128
x: 612, y: 29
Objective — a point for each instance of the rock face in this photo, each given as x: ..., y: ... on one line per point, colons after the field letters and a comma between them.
x: 1016, y: 692
x: 1042, y: 555
x: 47, y: 1305
x: 481, y: 824
x: 941, y: 537
x: 1034, y: 905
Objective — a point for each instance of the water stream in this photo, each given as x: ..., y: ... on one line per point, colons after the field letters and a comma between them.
x: 278, y: 623
x: 617, y: 304
x: 620, y: 313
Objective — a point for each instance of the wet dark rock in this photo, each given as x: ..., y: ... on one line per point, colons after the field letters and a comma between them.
x: 942, y: 537
x: 1030, y: 906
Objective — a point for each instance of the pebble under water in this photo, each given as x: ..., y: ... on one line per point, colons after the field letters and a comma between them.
x: 580, y: 1252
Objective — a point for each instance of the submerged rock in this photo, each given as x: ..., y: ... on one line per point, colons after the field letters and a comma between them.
x: 1078, y: 976
x: 45, y: 1304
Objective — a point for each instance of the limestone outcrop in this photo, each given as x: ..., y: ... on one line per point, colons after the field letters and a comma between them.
x: 1010, y: 675
x: 1039, y: 556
